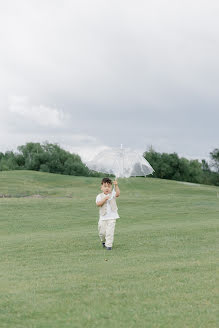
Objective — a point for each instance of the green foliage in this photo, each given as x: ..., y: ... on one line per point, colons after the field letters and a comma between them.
x: 172, y: 167
x: 215, y: 159
x: 8, y: 161
x: 52, y: 158
x: 45, y: 158
x: 44, y: 168
x: 205, y: 166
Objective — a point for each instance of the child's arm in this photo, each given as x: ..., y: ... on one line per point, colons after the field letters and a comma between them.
x: 101, y: 202
x: 116, y: 188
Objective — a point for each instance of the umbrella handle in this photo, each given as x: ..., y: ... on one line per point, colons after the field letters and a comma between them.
x: 114, y: 185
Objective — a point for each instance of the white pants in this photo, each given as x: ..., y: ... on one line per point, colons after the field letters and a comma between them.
x: 106, y: 231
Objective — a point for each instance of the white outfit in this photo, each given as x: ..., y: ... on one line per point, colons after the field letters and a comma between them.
x: 107, y: 222
x: 110, y: 214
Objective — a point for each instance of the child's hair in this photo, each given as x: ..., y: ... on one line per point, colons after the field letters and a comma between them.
x: 106, y: 180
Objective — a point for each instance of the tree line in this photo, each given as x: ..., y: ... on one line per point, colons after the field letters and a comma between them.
x: 172, y: 167
x: 52, y: 158
x: 44, y: 157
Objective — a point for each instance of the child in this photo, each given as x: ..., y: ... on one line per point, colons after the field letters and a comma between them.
x: 106, y: 201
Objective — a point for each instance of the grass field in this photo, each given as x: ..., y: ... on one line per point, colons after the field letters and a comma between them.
x: 162, y: 271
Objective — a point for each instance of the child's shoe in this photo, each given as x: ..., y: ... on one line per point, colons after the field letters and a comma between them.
x: 109, y: 248
x: 103, y: 245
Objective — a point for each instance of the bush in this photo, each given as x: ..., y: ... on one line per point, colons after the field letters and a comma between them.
x: 44, y: 168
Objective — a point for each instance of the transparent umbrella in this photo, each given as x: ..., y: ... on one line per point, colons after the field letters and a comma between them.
x: 121, y: 162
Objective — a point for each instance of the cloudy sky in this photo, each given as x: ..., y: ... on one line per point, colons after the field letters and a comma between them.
x: 89, y: 74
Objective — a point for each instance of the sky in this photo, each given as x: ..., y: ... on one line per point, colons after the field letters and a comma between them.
x: 95, y: 74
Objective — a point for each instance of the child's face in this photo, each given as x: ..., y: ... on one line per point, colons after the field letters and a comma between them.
x: 106, y: 188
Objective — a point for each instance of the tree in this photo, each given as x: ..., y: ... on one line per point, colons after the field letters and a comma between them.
x: 8, y: 161
x: 51, y: 158
x: 205, y: 166
x: 215, y: 159
x: 31, y: 153
x: 170, y: 166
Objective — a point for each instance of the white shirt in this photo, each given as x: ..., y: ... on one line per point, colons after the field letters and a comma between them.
x: 109, y: 213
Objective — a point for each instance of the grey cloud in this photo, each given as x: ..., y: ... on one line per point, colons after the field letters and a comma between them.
x: 136, y: 73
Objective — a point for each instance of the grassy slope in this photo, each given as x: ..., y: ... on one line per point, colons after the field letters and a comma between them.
x: 161, y: 273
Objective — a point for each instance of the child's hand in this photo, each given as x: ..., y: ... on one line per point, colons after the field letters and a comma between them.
x: 115, y: 182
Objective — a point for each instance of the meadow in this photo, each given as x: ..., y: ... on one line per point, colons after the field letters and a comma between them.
x: 162, y: 271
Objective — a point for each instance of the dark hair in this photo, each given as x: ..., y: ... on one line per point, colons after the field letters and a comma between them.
x: 106, y: 180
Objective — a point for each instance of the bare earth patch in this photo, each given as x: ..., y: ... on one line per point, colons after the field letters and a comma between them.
x: 20, y: 196
x: 189, y: 183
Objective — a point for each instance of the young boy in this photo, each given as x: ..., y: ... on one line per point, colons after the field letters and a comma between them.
x: 106, y: 201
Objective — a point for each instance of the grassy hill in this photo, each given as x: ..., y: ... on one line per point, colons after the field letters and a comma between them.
x: 161, y: 272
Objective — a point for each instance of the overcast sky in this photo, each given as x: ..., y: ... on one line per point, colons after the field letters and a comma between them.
x: 89, y: 74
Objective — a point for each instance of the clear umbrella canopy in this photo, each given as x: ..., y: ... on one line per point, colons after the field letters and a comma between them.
x: 121, y: 162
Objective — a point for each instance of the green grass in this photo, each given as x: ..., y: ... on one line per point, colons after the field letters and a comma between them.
x: 162, y: 271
